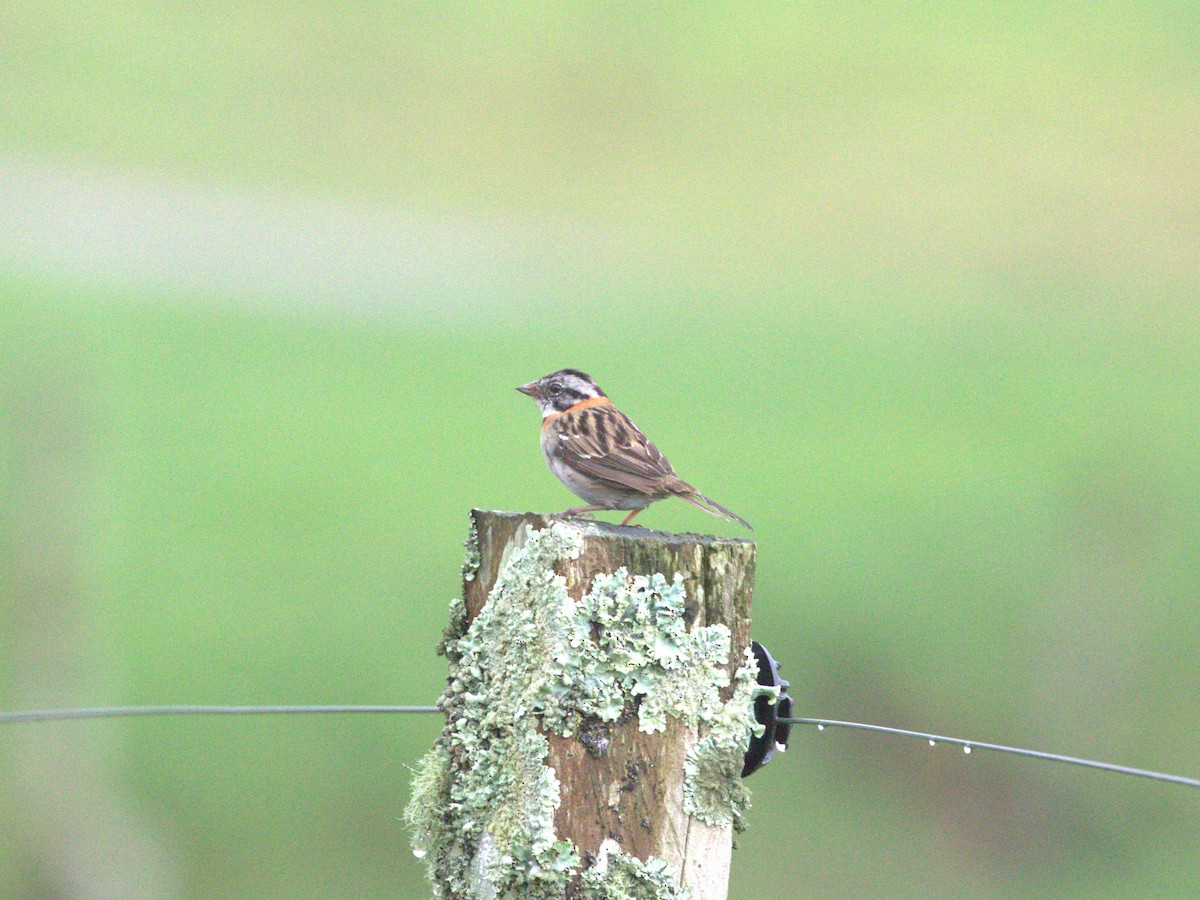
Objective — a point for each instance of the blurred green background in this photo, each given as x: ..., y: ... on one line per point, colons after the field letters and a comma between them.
x: 912, y: 288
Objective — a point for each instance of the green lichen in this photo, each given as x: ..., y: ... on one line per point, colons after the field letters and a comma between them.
x: 625, y: 877
x: 454, y: 630
x: 626, y: 641
x: 713, y: 790
x: 483, y: 804
x: 470, y: 566
x: 424, y: 813
x: 486, y: 825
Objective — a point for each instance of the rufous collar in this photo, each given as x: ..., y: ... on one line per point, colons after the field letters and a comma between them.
x: 582, y: 404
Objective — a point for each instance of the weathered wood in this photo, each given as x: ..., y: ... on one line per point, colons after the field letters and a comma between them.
x: 621, y: 787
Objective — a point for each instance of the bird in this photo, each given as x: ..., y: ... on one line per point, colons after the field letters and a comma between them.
x: 601, y: 456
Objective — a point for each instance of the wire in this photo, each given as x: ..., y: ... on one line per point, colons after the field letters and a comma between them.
x: 968, y: 746
x: 114, y: 712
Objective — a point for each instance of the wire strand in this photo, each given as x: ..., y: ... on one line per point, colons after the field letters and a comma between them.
x: 115, y: 712
x: 968, y: 746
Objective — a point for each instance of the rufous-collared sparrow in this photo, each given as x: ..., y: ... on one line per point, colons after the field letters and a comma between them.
x: 600, y: 455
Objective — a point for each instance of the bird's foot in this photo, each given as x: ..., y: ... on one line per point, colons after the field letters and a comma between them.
x: 579, y: 512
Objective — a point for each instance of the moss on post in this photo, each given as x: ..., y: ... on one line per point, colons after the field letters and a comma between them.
x: 598, y: 705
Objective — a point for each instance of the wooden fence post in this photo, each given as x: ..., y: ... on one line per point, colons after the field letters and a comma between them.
x: 598, y: 707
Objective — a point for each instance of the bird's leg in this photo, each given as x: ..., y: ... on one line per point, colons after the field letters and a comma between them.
x: 629, y: 518
x: 584, y: 512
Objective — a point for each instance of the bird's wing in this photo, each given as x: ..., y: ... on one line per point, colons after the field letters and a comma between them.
x: 602, y: 442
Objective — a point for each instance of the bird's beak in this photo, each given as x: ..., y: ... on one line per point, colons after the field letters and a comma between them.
x: 531, y: 390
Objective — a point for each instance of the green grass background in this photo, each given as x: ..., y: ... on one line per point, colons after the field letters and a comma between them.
x: 912, y: 289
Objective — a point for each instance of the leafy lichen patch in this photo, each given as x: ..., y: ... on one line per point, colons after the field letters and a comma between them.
x: 625, y: 642
x: 470, y: 566
x: 713, y: 790
x: 625, y: 877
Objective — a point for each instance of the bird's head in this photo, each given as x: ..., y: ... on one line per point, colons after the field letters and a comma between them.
x: 561, y: 390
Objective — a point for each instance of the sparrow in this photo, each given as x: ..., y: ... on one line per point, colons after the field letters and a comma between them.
x: 600, y: 455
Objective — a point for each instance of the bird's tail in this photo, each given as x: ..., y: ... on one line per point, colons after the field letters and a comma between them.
x: 698, y: 500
